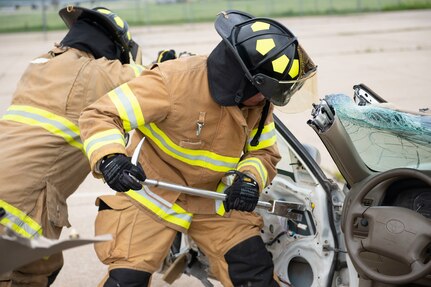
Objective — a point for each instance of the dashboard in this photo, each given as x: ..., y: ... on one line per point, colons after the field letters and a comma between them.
x: 409, y: 193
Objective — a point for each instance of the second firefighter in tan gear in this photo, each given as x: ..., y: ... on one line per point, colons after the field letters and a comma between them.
x: 202, y: 118
x: 45, y: 160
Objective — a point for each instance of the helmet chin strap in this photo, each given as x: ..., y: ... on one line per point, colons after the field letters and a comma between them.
x: 255, y: 140
x: 240, y: 97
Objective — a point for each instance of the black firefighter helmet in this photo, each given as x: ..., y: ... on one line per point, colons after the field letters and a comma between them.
x: 268, y: 52
x: 117, y: 28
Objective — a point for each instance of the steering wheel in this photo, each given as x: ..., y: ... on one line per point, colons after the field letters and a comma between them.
x: 395, y: 232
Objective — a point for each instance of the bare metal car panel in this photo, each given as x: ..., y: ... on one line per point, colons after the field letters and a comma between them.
x: 16, y: 251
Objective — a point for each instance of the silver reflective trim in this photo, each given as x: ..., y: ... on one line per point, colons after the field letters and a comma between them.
x: 17, y: 221
x: 188, y: 156
x: 139, y: 68
x: 256, y: 164
x: 265, y: 136
x: 127, y: 107
x: 42, y: 119
x: 107, y: 138
x: 164, y: 208
x: 218, y: 204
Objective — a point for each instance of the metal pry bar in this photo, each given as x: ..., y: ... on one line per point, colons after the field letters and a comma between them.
x: 276, y: 207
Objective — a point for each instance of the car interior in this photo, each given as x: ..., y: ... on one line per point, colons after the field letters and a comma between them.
x: 383, y: 155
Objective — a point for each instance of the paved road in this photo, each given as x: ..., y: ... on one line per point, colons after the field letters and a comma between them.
x: 390, y: 52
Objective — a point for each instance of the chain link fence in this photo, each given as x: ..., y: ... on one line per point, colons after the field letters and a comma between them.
x: 42, y: 15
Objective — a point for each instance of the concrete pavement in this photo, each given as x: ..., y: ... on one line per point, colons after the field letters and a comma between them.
x: 389, y: 52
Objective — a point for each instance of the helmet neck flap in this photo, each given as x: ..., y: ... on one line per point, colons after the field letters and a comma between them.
x: 114, y: 27
x: 227, y: 81
x: 228, y: 84
x: 88, y: 37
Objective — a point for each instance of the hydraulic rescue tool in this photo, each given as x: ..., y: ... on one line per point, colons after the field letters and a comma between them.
x: 290, y: 210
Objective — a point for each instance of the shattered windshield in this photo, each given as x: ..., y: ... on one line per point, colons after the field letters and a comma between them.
x: 385, y: 138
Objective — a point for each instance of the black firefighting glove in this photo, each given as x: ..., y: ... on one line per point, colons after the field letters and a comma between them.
x: 118, y: 172
x: 166, y: 55
x: 243, y: 194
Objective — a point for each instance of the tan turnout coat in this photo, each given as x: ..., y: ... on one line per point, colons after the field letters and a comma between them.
x: 43, y: 162
x: 190, y: 139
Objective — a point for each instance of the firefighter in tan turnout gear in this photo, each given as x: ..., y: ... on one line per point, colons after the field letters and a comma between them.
x: 45, y: 160
x: 202, y: 117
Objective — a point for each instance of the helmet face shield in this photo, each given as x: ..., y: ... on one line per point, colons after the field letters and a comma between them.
x: 280, y: 92
x: 135, y: 53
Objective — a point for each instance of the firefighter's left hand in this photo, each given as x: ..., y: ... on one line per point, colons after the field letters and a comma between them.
x: 166, y: 55
x: 243, y: 194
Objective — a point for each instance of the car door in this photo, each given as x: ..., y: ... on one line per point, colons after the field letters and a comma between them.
x: 308, y: 249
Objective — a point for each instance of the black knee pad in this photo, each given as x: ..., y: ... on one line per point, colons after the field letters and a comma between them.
x: 122, y: 277
x: 250, y: 264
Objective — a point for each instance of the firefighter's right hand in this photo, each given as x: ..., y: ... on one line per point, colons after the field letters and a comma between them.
x: 118, y: 172
x: 243, y: 194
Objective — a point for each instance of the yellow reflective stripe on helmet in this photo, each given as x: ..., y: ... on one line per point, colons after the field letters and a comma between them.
x: 280, y: 64
x: 201, y: 158
x: 103, y: 138
x: 53, y: 123
x: 260, y: 26
x: 116, y: 18
x: 258, y: 165
x: 263, y: 46
x: 175, y: 214
x: 266, y: 139
x: 119, y: 21
x: 128, y: 107
x: 19, y: 221
x: 137, y: 69
x: 104, y: 11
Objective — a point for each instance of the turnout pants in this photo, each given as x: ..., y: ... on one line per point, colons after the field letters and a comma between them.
x: 232, y: 244
x: 40, y: 273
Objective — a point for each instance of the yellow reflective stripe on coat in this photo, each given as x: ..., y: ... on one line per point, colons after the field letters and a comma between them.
x: 19, y: 221
x: 266, y: 139
x: 174, y: 214
x: 53, y: 123
x: 137, y: 69
x: 219, y: 206
x: 258, y: 165
x: 201, y: 158
x: 127, y: 106
x: 103, y: 138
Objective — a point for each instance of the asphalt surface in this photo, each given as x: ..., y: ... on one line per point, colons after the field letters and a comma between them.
x: 389, y: 52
